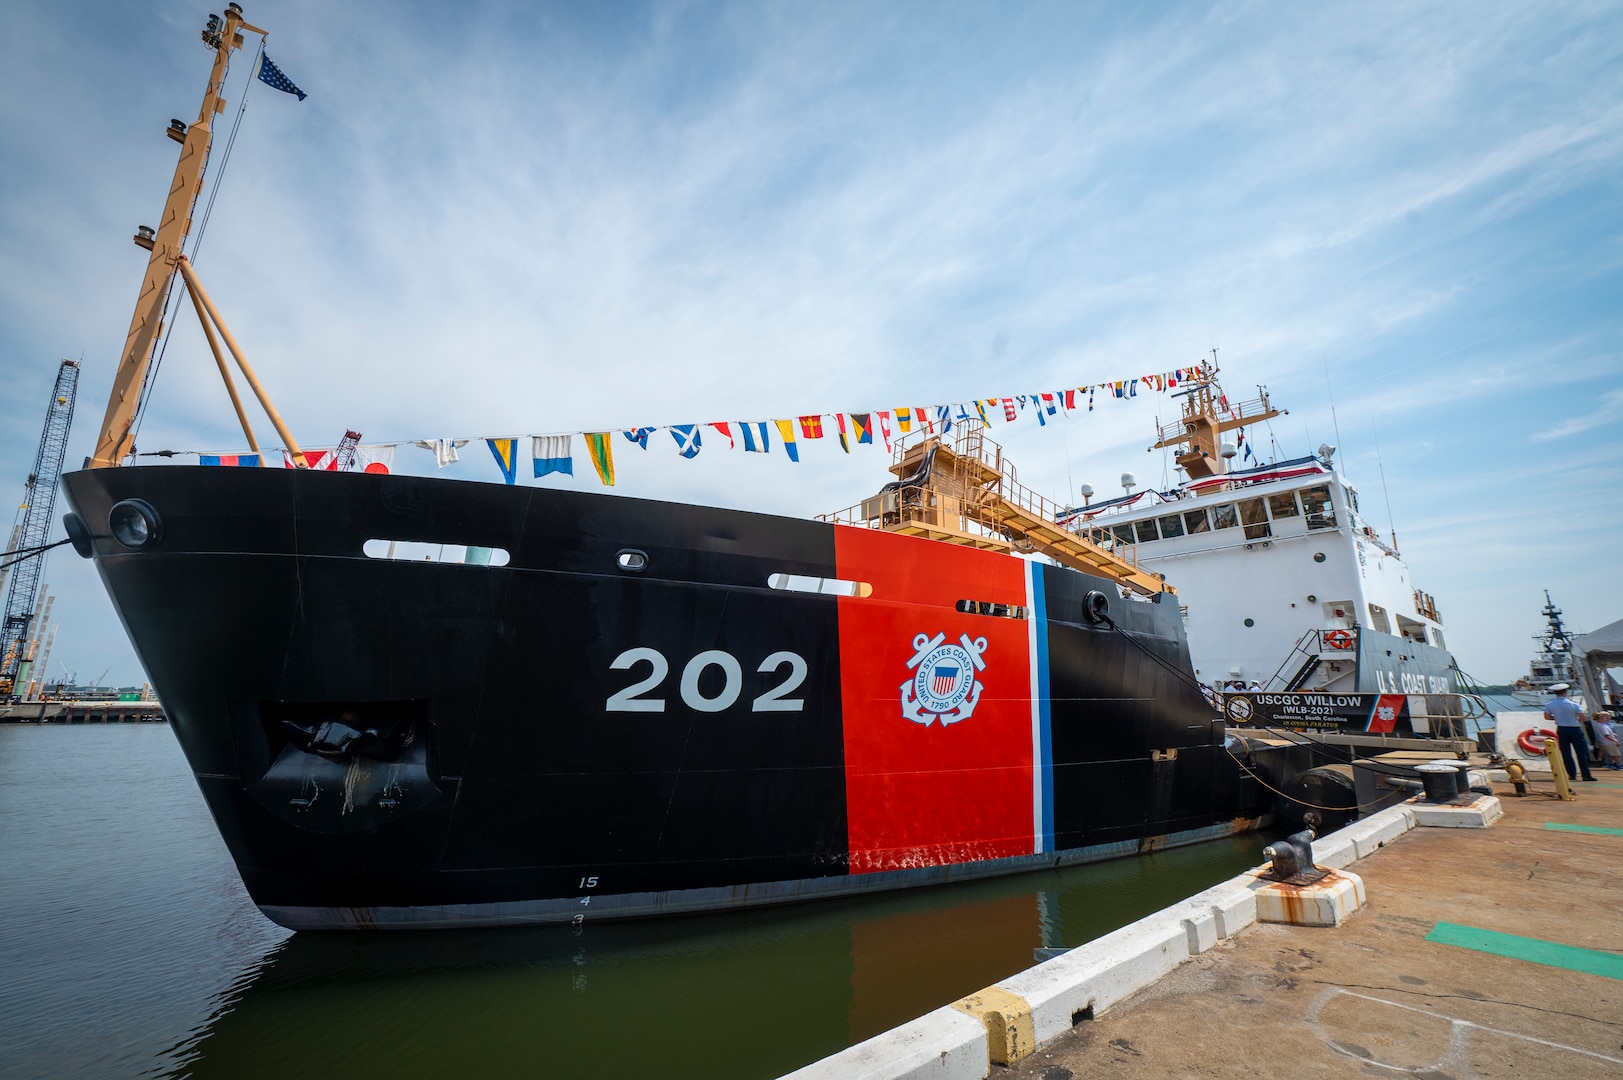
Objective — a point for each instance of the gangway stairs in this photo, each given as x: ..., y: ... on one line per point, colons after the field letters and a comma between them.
x: 959, y: 488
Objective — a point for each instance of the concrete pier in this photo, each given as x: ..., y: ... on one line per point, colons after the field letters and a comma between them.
x: 1480, y: 952
x: 1486, y: 952
x: 83, y: 712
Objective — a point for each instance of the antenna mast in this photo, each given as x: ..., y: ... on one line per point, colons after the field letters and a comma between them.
x: 115, y: 440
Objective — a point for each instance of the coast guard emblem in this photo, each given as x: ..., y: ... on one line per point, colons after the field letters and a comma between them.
x: 943, y: 686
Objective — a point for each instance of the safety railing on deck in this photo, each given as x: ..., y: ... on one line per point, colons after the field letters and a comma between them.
x: 1236, y: 410
x: 961, y: 498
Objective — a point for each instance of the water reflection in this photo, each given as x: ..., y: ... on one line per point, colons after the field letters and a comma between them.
x: 738, y: 995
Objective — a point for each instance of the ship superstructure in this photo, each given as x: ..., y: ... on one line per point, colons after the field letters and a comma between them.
x: 1283, y: 582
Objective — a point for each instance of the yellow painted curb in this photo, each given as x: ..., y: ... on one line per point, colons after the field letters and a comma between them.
x: 1007, y: 1017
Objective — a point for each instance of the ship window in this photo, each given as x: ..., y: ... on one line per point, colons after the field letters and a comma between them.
x: 1282, y: 505
x: 1124, y: 533
x: 1352, y: 497
x: 1437, y: 638
x: 1146, y: 531
x: 418, y: 551
x: 1171, y: 525
x: 1195, y: 522
x: 1255, y: 519
x: 825, y: 586
x: 986, y: 607
x: 1225, y: 517
x: 1316, y: 503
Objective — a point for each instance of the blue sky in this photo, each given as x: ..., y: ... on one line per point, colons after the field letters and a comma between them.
x: 492, y: 220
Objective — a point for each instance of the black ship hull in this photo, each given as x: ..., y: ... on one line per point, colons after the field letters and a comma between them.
x: 643, y: 710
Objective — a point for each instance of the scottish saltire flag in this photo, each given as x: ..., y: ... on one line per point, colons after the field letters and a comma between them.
x: 1090, y: 399
x: 272, y: 76
x: 756, y: 440
x: 904, y: 420
x: 811, y: 427
x: 687, y: 439
x: 943, y: 414
x: 786, y: 428
x: 552, y: 453
x: 601, y: 451
x: 639, y: 435
x: 839, y: 418
x: 250, y: 461
x: 862, y: 427
x: 945, y: 678
x: 726, y: 430
x: 505, y: 451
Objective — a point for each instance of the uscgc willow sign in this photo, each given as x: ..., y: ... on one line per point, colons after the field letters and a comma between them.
x: 1384, y: 714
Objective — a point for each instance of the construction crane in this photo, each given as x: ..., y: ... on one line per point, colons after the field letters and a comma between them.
x: 38, y: 506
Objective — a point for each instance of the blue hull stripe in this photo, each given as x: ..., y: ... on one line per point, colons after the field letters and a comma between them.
x: 1041, y: 727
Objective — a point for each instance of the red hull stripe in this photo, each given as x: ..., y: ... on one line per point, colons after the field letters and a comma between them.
x: 931, y: 777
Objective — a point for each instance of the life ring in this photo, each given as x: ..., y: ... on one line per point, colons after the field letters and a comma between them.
x: 1338, y: 639
x: 1525, y: 741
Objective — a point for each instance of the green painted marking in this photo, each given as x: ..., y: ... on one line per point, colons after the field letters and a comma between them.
x: 1590, y: 961
x: 1599, y: 830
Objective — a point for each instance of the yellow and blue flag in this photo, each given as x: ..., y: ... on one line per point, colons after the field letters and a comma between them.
x: 505, y: 451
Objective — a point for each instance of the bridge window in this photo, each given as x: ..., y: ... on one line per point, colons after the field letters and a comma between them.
x: 1195, y: 522
x: 1282, y: 505
x: 1225, y: 516
x: 1255, y: 519
x: 1171, y: 526
x: 1146, y: 531
x: 1321, y: 514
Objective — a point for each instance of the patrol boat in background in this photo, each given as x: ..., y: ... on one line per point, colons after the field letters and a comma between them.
x: 1553, y: 663
x: 629, y: 707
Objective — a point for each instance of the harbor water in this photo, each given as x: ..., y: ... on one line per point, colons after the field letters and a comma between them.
x: 131, y: 949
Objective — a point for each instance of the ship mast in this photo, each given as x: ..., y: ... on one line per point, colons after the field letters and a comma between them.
x: 1207, y: 413
x: 115, y: 440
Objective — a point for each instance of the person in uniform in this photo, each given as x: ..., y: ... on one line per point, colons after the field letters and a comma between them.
x: 1568, y: 719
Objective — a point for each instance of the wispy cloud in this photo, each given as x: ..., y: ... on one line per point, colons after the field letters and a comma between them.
x: 1605, y: 413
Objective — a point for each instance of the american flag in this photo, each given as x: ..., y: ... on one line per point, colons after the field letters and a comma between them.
x: 945, y: 679
x: 271, y: 75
